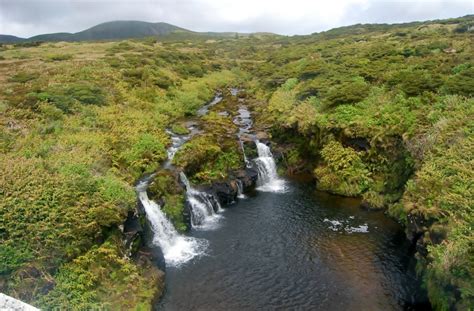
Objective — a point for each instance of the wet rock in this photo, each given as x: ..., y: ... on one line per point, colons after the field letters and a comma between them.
x: 226, y: 191
x: 248, y: 177
x: 215, y: 203
x: 416, y: 226
x: 132, y: 233
x: 187, y: 215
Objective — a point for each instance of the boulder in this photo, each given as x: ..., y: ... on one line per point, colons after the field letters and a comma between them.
x: 226, y: 191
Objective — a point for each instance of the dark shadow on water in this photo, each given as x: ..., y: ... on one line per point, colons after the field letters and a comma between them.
x: 299, y: 250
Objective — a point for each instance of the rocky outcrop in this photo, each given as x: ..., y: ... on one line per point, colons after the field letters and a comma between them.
x: 132, y: 233
x: 226, y: 191
x: 12, y: 304
x: 248, y: 177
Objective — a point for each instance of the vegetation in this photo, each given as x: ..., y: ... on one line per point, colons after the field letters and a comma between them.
x: 76, y: 134
x: 211, y: 156
x: 384, y: 112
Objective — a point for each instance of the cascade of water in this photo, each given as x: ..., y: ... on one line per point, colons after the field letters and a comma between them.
x: 246, y: 161
x: 204, y: 206
x: 268, y: 179
x: 205, y: 109
x: 176, y: 248
x: 240, y: 190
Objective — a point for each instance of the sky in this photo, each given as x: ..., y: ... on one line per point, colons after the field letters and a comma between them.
x: 25, y: 18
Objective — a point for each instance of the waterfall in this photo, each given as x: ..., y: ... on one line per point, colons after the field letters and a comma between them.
x: 176, y: 248
x: 246, y: 161
x: 268, y: 179
x: 204, y: 206
x: 240, y: 190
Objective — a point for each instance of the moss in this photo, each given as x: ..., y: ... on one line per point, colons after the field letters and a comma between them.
x: 179, y: 129
x: 173, y: 208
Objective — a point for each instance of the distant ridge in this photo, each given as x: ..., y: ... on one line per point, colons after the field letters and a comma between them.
x: 106, y: 31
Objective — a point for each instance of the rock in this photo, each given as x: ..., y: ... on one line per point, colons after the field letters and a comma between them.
x: 248, y: 177
x: 450, y: 51
x: 12, y: 304
x: 246, y: 138
x: 132, y: 233
x: 262, y: 136
x: 187, y: 215
x: 226, y: 191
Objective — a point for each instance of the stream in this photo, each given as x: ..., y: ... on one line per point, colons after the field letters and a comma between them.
x: 296, y: 250
x: 284, y: 246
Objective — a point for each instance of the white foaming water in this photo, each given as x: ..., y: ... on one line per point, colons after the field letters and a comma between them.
x: 204, y: 207
x: 240, y: 190
x: 344, y: 225
x: 246, y: 161
x: 177, y: 249
x: 268, y: 179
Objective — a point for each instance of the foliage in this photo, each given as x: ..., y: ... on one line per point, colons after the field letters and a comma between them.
x: 380, y: 111
x: 370, y: 104
x: 103, y: 279
x: 74, y: 139
x: 179, y: 129
x: 144, y: 153
x: 58, y: 57
x: 344, y: 168
x: 23, y: 77
x: 347, y: 93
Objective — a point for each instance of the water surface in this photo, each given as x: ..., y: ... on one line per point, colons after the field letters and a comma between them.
x: 297, y: 250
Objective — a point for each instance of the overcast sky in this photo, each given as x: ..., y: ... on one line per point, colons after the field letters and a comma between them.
x: 31, y: 17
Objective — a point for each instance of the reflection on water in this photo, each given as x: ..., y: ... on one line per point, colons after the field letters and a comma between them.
x: 280, y: 251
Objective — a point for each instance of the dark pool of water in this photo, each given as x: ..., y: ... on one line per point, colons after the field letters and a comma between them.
x: 299, y: 250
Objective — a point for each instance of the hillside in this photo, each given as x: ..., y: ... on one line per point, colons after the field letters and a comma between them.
x: 114, y: 30
x: 10, y: 39
x: 119, y: 30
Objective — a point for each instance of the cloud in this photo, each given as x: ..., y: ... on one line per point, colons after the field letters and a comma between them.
x: 31, y: 17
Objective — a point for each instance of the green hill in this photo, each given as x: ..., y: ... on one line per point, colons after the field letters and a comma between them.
x: 114, y: 30
x: 119, y: 30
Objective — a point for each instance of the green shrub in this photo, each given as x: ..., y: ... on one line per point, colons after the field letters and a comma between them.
x: 86, y: 93
x: 23, y: 77
x: 145, y: 154
x: 195, y: 153
x: 347, y: 93
x: 462, y: 82
x: 179, y: 129
x: 415, y: 82
x: 103, y: 278
x: 58, y: 57
x: 342, y: 171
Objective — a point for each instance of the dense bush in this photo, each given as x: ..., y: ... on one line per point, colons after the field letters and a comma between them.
x: 342, y: 171
x: 58, y: 57
x: 347, y: 93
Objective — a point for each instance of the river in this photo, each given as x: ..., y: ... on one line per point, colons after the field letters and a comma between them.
x: 296, y: 250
